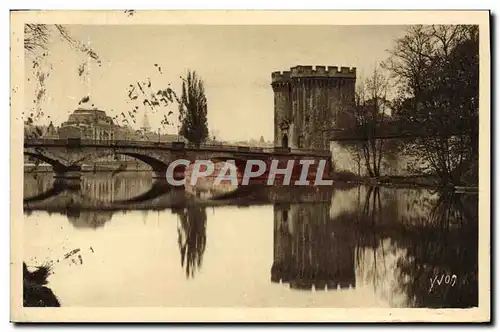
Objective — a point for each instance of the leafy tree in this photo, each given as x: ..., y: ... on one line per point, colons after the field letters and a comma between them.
x: 193, y: 109
x: 370, y: 113
x: 437, y: 71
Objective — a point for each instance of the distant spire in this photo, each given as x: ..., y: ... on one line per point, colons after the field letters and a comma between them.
x: 145, y: 122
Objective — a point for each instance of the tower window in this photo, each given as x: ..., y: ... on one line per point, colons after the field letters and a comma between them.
x: 301, y: 142
x: 284, y: 141
x: 285, y: 216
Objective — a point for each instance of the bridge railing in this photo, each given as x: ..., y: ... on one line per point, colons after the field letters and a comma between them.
x: 173, y: 145
x: 256, y: 149
x: 222, y: 147
x: 34, y: 141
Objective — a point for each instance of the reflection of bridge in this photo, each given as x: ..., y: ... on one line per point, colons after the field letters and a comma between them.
x: 63, y: 195
x: 320, y: 240
x: 68, y: 156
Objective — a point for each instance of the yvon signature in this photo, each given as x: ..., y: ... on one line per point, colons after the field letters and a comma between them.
x: 445, y: 279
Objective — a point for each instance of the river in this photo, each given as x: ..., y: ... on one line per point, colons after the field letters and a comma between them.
x: 128, y: 240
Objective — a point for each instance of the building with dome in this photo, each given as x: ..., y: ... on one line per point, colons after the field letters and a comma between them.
x: 88, y: 124
x: 95, y: 124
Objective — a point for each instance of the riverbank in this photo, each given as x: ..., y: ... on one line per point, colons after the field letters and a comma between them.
x: 411, y: 181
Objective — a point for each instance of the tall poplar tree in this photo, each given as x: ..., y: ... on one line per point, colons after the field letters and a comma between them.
x: 193, y: 109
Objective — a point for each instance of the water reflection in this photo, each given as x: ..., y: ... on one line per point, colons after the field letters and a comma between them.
x: 192, y: 237
x: 435, y: 239
x: 378, y: 238
x: 88, y: 219
x: 310, y: 251
x: 337, y: 247
x: 446, y: 250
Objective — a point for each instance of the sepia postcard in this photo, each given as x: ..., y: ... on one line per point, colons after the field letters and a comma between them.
x: 250, y: 166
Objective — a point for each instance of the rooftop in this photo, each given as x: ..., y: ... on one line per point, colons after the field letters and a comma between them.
x: 89, y: 110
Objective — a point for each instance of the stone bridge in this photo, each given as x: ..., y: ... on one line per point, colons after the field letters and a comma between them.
x: 66, y: 156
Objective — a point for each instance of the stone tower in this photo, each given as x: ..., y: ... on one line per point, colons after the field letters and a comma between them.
x: 311, y: 103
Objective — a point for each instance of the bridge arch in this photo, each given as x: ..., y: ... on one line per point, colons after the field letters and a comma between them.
x: 154, y: 161
x: 57, y: 166
x: 156, y: 164
x: 61, y: 166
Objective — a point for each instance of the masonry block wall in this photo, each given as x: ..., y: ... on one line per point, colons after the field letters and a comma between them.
x: 310, y: 103
x: 348, y: 157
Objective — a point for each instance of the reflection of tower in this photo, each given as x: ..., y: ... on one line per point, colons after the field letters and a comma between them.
x: 310, y: 249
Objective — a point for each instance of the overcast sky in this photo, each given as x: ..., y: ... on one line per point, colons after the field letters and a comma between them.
x: 235, y: 63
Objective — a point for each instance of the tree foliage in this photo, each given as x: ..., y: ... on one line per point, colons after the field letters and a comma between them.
x: 437, y: 73
x: 370, y: 113
x: 36, y: 45
x: 37, y: 36
x: 192, y: 238
x: 193, y: 109
x: 142, y: 94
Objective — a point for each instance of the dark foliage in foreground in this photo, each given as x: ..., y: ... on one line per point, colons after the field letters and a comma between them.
x: 35, y: 293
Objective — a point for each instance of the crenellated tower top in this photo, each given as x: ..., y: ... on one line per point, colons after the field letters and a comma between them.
x: 313, y: 72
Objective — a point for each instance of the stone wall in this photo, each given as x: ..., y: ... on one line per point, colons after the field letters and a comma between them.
x: 348, y: 157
